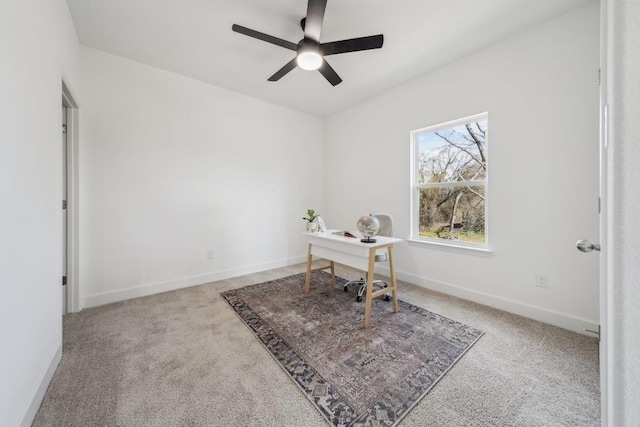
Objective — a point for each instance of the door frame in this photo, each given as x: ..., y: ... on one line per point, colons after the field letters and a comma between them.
x: 73, y: 291
x: 607, y: 344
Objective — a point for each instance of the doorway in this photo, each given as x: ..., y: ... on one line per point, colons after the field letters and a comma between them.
x: 65, y: 219
x: 69, y: 202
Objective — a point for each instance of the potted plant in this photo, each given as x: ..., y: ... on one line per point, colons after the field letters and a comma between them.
x: 312, y: 225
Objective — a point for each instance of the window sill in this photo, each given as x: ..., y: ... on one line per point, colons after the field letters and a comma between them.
x: 452, y: 247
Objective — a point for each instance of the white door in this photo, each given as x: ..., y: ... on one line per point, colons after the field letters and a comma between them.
x: 606, y: 357
x: 601, y: 248
x: 65, y: 244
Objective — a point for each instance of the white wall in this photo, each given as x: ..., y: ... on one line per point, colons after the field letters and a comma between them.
x: 624, y: 238
x: 540, y: 90
x: 38, y: 48
x: 172, y: 167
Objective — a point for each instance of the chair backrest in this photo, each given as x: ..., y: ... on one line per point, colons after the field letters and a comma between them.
x: 386, y: 224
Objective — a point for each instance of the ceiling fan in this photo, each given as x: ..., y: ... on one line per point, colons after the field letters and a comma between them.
x: 310, y: 52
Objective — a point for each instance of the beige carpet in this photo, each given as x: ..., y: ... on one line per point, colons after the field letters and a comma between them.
x: 184, y: 358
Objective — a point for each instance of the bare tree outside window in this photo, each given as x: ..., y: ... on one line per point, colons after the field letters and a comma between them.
x: 450, y: 179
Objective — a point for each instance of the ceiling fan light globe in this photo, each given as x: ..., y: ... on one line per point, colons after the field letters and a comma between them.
x: 309, y: 60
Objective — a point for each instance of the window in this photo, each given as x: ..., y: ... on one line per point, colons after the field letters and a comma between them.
x: 449, y: 182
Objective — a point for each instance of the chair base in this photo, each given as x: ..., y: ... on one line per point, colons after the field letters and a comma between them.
x: 362, y: 288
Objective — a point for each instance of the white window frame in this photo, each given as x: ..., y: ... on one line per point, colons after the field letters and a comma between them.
x: 454, y: 245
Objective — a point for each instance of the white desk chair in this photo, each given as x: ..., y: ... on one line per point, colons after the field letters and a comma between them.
x: 386, y: 230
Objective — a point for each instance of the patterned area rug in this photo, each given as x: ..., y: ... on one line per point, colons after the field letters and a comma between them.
x: 354, y: 376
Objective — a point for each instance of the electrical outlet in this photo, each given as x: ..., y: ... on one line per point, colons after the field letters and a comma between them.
x: 210, y: 254
x: 542, y: 280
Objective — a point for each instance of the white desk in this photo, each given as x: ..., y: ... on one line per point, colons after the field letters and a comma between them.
x: 352, y: 252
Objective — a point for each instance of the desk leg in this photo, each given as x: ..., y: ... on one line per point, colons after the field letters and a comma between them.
x: 369, y: 299
x: 394, y: 283
x: 333, y: 273
x: 307, y: 281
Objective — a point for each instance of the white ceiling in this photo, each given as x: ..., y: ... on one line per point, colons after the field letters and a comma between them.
x: 194, y: 38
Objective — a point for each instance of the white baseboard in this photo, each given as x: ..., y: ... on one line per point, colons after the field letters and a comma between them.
x: 37, y: 394
x: 562, y: 320
x: 544, y: 315
x: 185, y: 282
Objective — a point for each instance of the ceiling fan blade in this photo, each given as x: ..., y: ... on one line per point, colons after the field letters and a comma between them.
x: 352, y: 45
x: 284, y: 70
x: 329, y: 73
x: 313, y: 22
x: 264, y: 37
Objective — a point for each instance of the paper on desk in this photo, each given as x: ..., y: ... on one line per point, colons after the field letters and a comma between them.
x: 354, y: 234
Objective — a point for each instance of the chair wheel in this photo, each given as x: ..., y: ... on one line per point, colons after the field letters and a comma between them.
x: 359, y: 298
x: 345, y: 289
x: 387, y: 297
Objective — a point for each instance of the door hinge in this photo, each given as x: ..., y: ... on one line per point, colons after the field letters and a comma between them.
x: 64, y: 204
x: 64, y: 280
x: 599, y: 76
x: 64, y: 128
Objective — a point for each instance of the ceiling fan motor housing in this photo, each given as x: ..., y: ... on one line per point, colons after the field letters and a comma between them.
x: 308, y: 55
x: 308, y: 44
